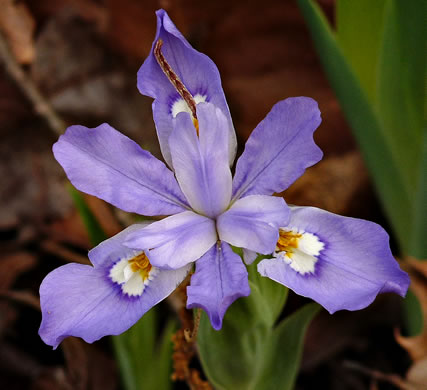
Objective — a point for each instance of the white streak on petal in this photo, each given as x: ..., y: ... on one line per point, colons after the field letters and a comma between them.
x: 181, y: 106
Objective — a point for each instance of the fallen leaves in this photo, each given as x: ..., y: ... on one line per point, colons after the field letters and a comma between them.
x: 416, y: 346
x: 18, y: 25
x: 339, y: 184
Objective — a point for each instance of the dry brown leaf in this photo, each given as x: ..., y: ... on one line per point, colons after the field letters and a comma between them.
x: 70, y: 230
x: 416, y: 345
x: 86, y: 367
x: 62, y: 252
x: 18, y: 25
x: 25, y: 297
x: 393, y: 379
x: 32, y: 188
x: 335, y: 184
x: 12, y: 265
x: 77, y: 362
x: 103, y: 213
x: 419, y: 266
x: 418, y: 374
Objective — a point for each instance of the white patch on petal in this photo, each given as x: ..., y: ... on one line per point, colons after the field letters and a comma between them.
x: 134, y: 286
x: 117, y: 272
x: 130, y: 277
x: 310, y: 244
x: 299, y: 249
x: 181, y: 106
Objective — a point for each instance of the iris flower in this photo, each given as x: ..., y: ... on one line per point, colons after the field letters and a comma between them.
x: 342, y: 263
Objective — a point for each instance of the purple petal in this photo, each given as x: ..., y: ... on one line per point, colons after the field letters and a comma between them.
x: 253, y: 222
x: 354, y: 266
x: 201, y: 163
x: 109, y: 165
x: 220, y: 279
x: 198, y: 73
x: 84, y: 301
x: 175, y: 241
x: 249, y: 256
x: 279, y: 149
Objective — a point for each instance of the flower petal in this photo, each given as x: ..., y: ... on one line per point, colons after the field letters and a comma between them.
x: 354, y: 266
x: 201, y: 162
x: 198, y: 73
x: 84, y: 301
x: 109, y: 165
x: 253, y: 222
x: 220, y: 279
x: 249, y: 256
x: 175, y: 241
x: 279, y: 149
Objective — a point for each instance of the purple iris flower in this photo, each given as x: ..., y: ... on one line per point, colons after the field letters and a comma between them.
x: 342, y: 263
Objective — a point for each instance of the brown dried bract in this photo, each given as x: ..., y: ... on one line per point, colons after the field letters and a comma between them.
x: 184, y: 345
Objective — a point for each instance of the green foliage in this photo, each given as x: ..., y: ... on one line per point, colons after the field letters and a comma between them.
x: 376, y: 63
x: 413, y: 312
x: 144, y: 362
x: 250, y: 352
x: 94, y: 229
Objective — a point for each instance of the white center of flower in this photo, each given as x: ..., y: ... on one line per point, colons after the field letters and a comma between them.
x: 133, y: 273
x: 299, y: 249
x: 181, y: 106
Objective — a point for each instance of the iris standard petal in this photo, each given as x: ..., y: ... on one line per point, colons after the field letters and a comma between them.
x: 253, y: 222
x: 220, y: 279
x: 175, y: 241
x: 92, y: 302
x: 279, y: 149
x: 109, y: 165
x: 344, y: 262
x: 198, y: 73
x: 201, y: 162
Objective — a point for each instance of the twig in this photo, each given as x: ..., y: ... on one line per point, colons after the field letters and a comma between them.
x: 393, y: 379
x: 21, y: 296
x: 30, y: 90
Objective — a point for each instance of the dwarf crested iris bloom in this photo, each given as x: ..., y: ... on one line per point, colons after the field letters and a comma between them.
x: 342, y: 263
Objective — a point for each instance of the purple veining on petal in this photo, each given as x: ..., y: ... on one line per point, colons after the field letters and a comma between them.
x: 354, y: 266
x: 107, y: 164
x: 279, y: 149
x: 219, y: 280
x: 175, y: 96
x: 196, y: 71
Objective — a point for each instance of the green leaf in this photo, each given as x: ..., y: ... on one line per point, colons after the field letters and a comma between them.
x: 401, y: 78
x: 283, y: 352
x: 418, y: 247
x: 413, y: 314
x: 383, y: 163
x: 143, y: 363
x: 272, y: 295
x: 230, y: 356
x: 94, y: 229
x: 249, y: 352
x: 359, y: 22
x: 402, y: 103
x: 246, y: 354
